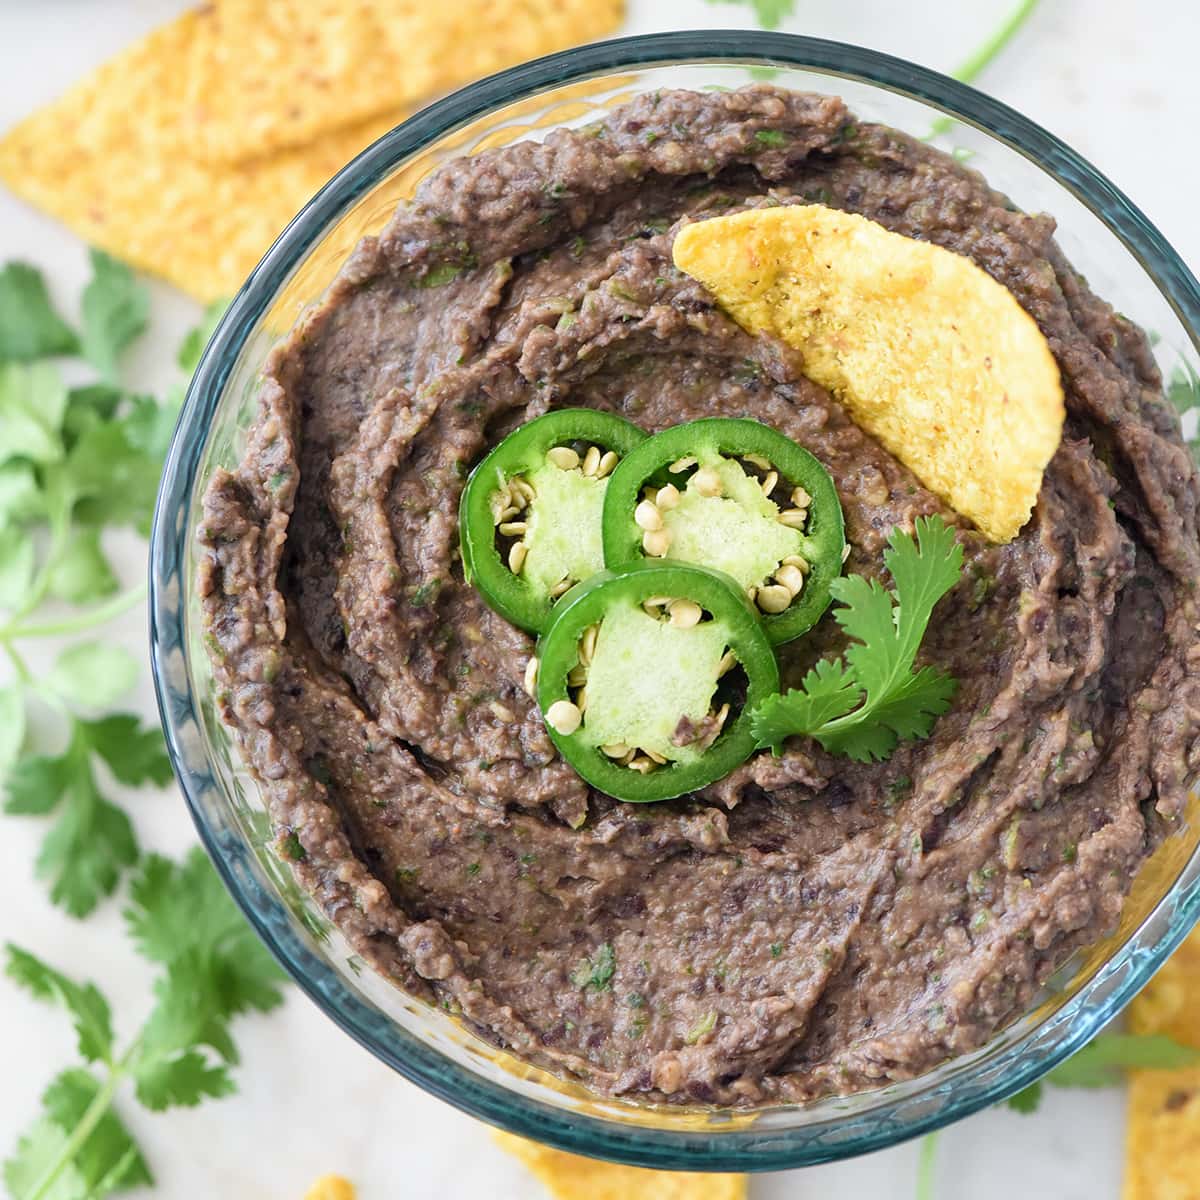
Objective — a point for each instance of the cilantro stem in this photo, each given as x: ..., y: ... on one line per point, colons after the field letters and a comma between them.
x: 927, y: 1166
x: 23, y: 673
x: 98, y: 615
x: 92, y: 1116
x: 983, y: 56
x: 60, y: 523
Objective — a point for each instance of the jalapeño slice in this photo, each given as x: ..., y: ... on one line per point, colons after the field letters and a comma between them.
x: 647, y: 675
x: 529, y: 520
x: 734, y: 495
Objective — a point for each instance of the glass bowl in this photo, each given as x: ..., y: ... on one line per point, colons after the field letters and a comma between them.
x: 1127, y: 262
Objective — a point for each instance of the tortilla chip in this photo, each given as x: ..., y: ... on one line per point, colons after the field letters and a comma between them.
x: 929, y: 354
x: 262, y: 76
x: 331, y: 1187
x: 1162, y: 1136
x: 103, y: 160
x: 1162, y: 1139
x: 569, y: 1177
x: 1170, y: 1002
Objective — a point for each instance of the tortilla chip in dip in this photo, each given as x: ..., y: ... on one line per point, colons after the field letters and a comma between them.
x: 929, y: 354
x: 570, y: 1177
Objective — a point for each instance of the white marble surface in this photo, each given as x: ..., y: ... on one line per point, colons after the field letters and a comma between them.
x: 1115, y: 80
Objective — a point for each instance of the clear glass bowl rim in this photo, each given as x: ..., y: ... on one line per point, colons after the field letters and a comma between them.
x: 741, y: 1148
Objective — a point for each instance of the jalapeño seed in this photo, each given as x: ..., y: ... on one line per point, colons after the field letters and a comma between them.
x: 531, y: 676
x: 791, y: 577
x: 773, y: 598
x: 684, y: 613
x: 667, y: 498
x: 587, y: 643
x: 563, y: 457
x: 564, y: 717
x: 656, y: 542
x: 647, y: 516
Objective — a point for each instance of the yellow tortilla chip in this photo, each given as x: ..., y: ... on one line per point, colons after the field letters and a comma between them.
x: 1170, y: 1002
x: 331, y: 1187
x: 261, y: 76
x: 1162, y: 1136
x: 929, y: 354
x: 569, y: 1177
x: 104, y: 160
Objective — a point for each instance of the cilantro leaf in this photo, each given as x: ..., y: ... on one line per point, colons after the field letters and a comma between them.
x: 177, y: 909
x: 1183, y: 393
x: 213, y: 968
x: 770, y: 13
x: 29, y: 326
x: 182, y: 916
x: 828, y: 691
x: 115, y: 309
x: 109, y: 1160
x: 20, y: 495
x: 1101, y: 1061
x: 18, y: 560
x: 92, y: 674
x: 81, y: 571
x: 192, y: 347
x: 135, y: 755
x: 12, y: 725
x: 185, y: 1079
x: 1027, y: 1099
x: 88, y: 1008
x: 40, y: 1152
x: 1183, y: 388
x: 33, y: 401
x: 85, y: 850
x: 863, y: 707
x: 36, y: 784
x: 110, y: 479
x: 1100, y: 1064
x: 89, y: 405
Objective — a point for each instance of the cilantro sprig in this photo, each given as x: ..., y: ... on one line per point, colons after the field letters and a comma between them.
x: 74, y: 463
x: 212, y: 968
x: 92, y: 841
x: 863, y: 705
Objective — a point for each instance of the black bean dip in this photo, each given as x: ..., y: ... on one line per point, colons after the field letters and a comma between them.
x: 807, y: 925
